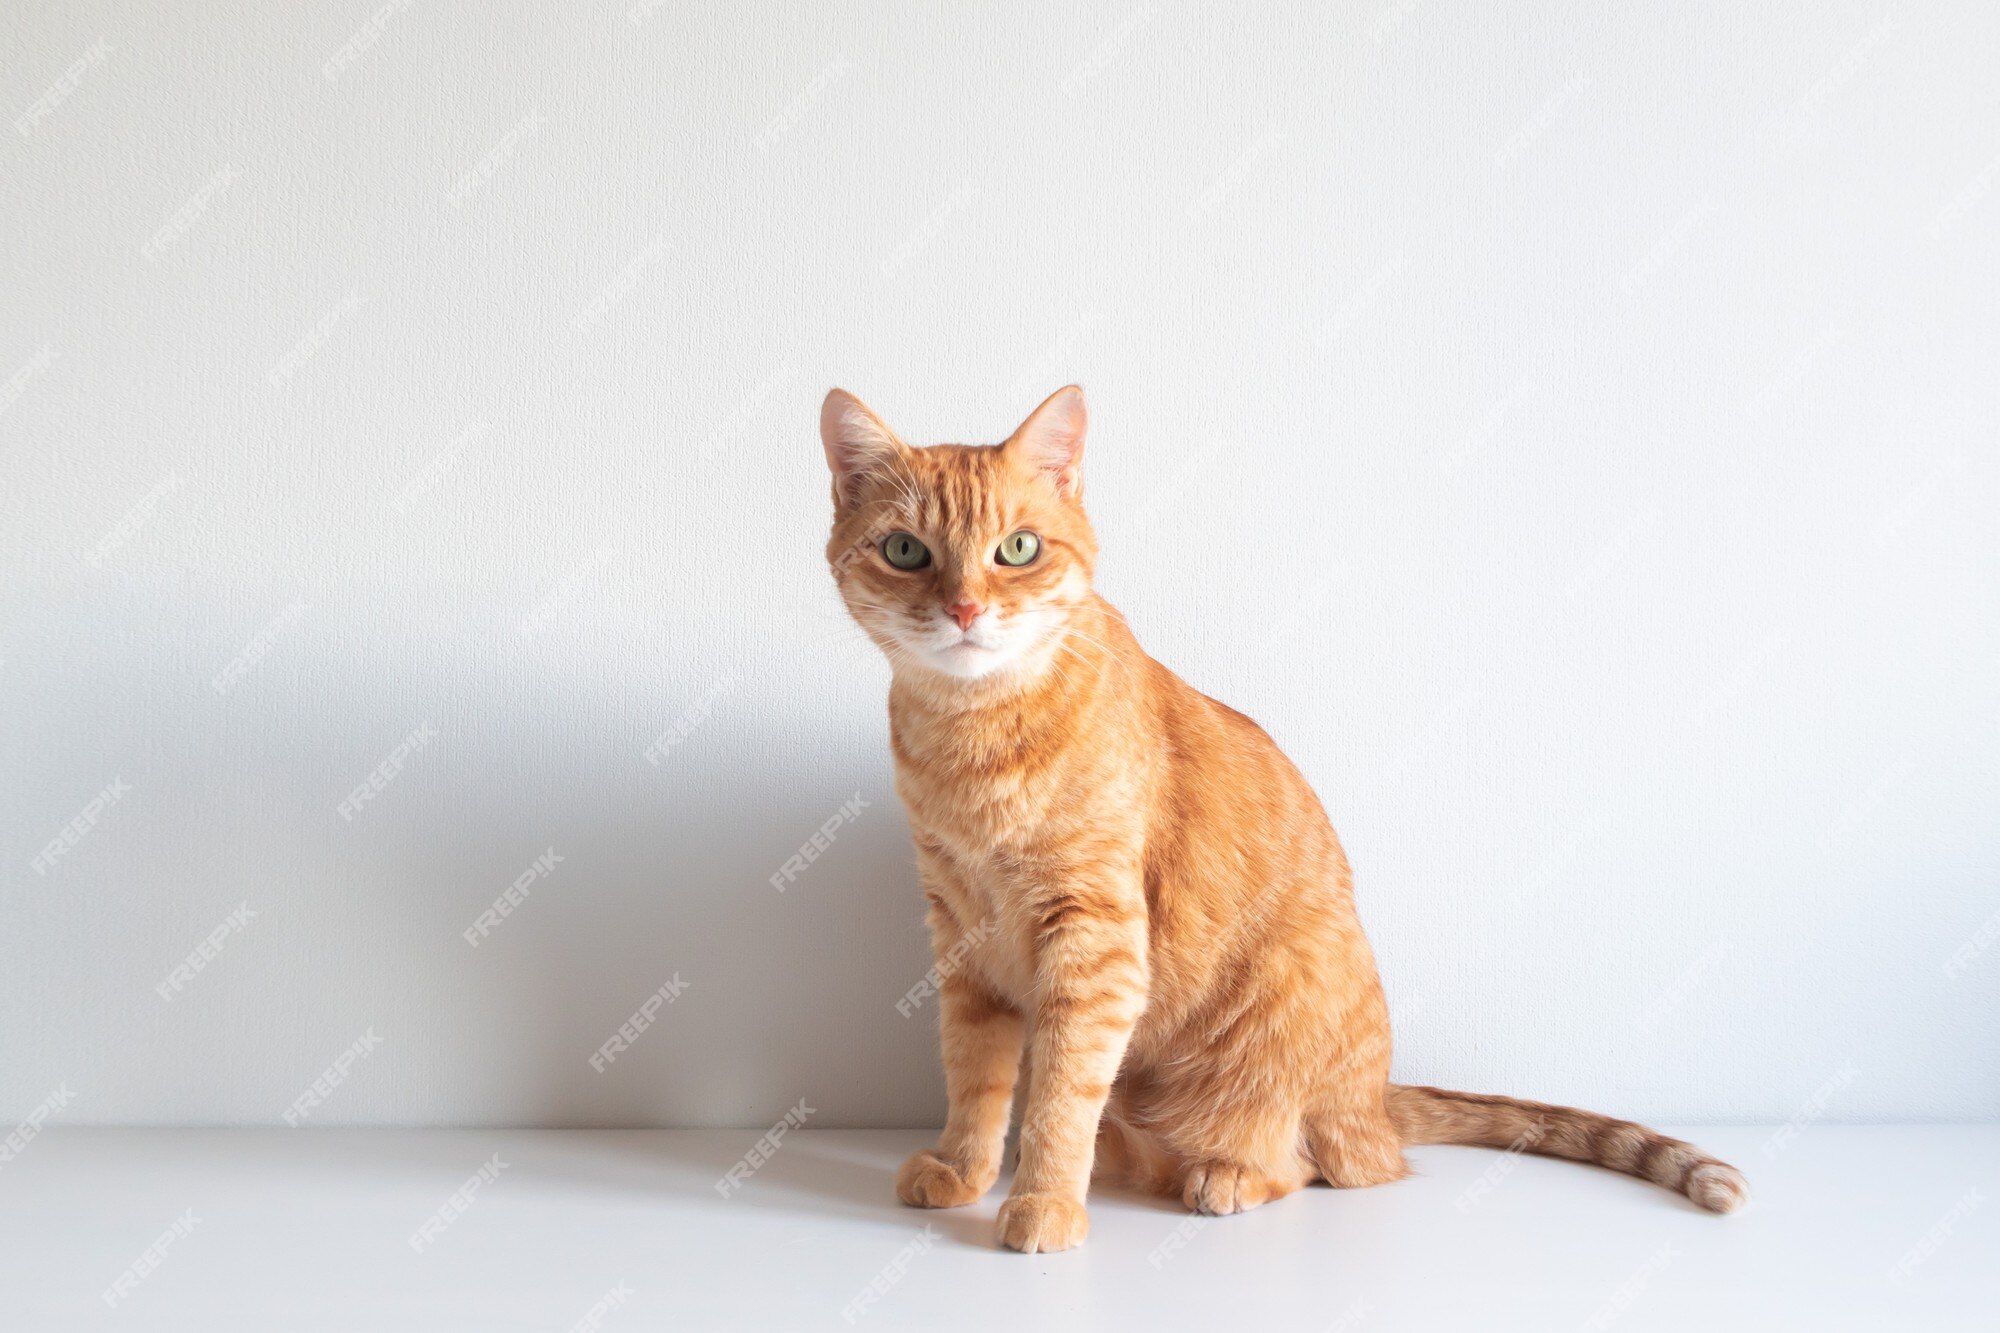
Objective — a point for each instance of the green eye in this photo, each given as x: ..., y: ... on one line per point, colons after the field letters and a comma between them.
x: 1019, y: 549
x: 904, y: 551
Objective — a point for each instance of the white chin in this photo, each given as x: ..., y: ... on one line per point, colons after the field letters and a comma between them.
x: 965, y: 661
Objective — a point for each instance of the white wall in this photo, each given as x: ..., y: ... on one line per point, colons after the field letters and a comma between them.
x: 1568, y: 428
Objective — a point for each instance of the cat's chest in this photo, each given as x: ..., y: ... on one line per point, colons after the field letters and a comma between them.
x: 992, y: 899
x: 982, y: 798
x: 981, y: 821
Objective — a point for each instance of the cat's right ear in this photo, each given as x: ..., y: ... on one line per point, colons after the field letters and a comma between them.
x: 858, y: 444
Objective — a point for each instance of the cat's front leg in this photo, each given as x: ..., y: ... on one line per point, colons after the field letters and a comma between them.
x: 1091, y: 982
x: 981, y: 1038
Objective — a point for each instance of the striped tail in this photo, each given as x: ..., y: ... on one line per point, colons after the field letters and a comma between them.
x: 1432, y: 1115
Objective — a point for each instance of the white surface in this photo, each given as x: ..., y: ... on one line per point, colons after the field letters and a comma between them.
x: 1568, y: 427
x: 309, y: 1231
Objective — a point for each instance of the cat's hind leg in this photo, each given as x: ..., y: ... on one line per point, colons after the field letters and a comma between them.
x: 1220, y: 1187
x: 1348, y: 1130
x: 1239, y: 1152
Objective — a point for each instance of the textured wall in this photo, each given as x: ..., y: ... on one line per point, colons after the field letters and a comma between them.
x: 1570, y: 429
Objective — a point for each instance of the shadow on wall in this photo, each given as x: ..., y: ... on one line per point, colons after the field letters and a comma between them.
x: 542, y: 894
x: 705, y: 947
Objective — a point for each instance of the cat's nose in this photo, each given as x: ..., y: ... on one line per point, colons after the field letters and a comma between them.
x: 964, y: 613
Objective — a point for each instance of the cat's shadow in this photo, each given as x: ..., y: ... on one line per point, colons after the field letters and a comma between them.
x: 841, y: 1174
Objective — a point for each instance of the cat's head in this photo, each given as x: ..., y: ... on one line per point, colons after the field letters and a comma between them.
x: 960, y: 561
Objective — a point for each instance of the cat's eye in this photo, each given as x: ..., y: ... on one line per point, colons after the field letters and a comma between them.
x: 904, y: 551
x: 1019, y: 549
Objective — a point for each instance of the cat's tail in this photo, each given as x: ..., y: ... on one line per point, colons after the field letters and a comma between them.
x: 1432, y: 1115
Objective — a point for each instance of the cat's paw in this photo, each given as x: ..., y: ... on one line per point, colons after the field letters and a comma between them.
x: 1220, y: 1188
x: 928, y: 1181
x: 1042, y: 1223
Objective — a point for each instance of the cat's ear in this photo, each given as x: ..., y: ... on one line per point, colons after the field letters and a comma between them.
x: 857, y: 443
x: 1050, y: 441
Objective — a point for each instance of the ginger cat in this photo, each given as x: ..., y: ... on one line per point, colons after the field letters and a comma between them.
x: 1128, y: 882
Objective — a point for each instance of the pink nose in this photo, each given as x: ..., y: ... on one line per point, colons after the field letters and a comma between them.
x: 964, y: 613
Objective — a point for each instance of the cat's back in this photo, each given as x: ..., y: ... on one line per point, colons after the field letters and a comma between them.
x: 1235, y: 821
x: 1218, y: 750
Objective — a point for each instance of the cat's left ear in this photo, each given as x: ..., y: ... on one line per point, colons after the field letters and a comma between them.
x: 1050, y: 441
x: 858, y: 444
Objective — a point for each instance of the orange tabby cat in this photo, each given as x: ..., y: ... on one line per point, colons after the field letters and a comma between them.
x: 1129, y: 884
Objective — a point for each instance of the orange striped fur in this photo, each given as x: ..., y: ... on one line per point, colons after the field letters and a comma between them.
x: 1151, y: 919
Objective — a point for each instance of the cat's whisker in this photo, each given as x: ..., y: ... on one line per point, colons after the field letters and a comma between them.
x: 1067, y: 647
x: 1061, y: 674
x: 1072, y: 633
